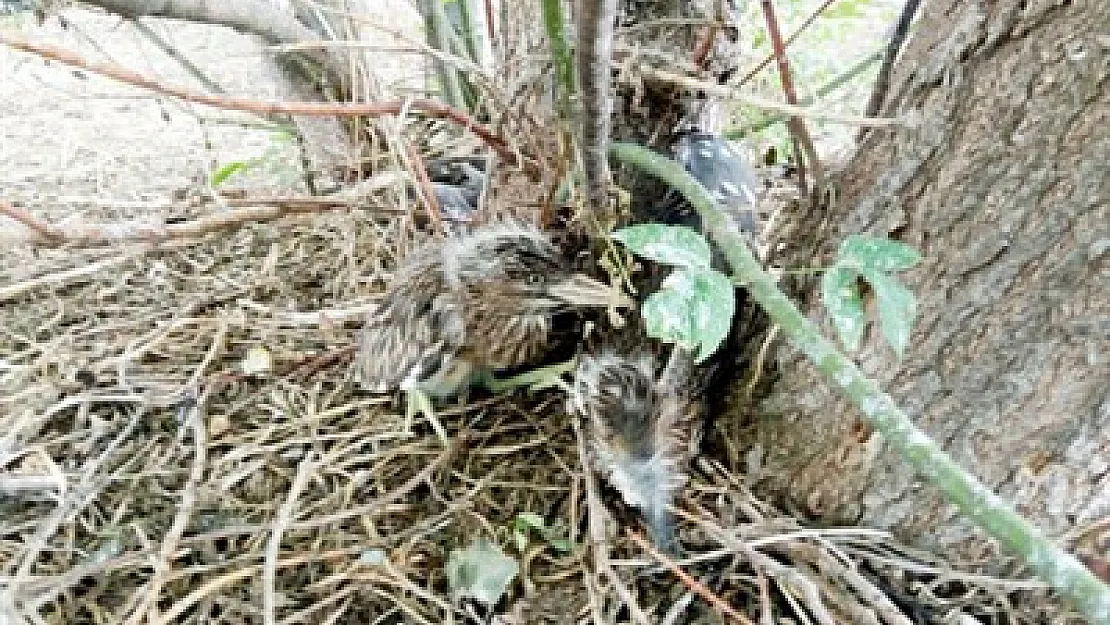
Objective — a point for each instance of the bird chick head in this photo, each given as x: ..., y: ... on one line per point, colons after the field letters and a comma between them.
x: 514, y: 266
x: 617, y: 394
x: 636, y: 423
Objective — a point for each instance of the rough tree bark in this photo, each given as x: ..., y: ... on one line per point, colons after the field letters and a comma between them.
x: 1003, y: 188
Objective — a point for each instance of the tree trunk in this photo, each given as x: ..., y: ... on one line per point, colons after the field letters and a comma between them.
x: 1003, y: 187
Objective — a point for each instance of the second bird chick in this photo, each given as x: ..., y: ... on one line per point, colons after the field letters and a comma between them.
x: 644, y: 427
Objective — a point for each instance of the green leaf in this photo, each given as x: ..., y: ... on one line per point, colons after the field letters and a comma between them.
x: 283, y: 136
x: 530, y: 519
x: 520, y: 539
x: 840, y: 293
x: 844, y: 9
x: 480, y: 571
x: 221, y: 175
x: 560, y: 544
x: 527, y: 521
x: 671, y: 245
x: 897, y: 309
x: 666, y: 317
x: 868, y: 253
x: 693, y: 308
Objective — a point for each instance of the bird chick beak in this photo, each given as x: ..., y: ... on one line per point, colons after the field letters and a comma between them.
x: 582, y: 290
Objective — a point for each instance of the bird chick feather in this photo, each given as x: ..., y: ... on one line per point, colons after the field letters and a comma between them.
x: 470, y: 305
x: 644, y: 427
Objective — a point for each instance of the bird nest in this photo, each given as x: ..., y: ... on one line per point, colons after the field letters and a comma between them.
x: 182, y: 441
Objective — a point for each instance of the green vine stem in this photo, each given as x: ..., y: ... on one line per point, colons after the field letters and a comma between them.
x: 438, y: 36
x: 1060, y: 569
x: 554, y: 22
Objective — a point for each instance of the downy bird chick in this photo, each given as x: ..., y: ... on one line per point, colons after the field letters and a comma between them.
x: 462, y: 308
x: 644, y: 427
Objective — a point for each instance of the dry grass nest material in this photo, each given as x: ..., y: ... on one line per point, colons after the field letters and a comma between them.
x: 144, y: 476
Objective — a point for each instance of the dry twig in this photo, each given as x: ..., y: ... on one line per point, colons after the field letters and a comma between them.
x: 311, y: 109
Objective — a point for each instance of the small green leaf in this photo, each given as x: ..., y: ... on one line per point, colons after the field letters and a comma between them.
x: 897, y: 309
x: 672, y: 245
x: 840, y: 293
x: 221, y: 175
x: 868, y: 253
x: 713, y: 314
x: 525, y: 520
x: 283, y: 136
x: 666, y: 317
x: 560, y: 544
x: 842, y: 10
x: 520, y: 539
x: 480, y: 571
x: 693, y: 308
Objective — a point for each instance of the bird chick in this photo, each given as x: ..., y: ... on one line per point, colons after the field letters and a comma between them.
x: 465, y: 307
x: 644, y: 427
x: 723, y: 171
x: 458, y: 184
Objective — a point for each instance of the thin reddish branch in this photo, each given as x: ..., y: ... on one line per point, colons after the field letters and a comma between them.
x: 796, y: 124
x: 45, y: 231
x: 97, y: 234
x: 489, y: 19
x: 692, y: 584
x: 431, y: 202
x: 705, y: 46
x: 789, y: 41
x: 794, y: 36
x: 307, y: 366
x: 262, y: 107
x: 780, y: 52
